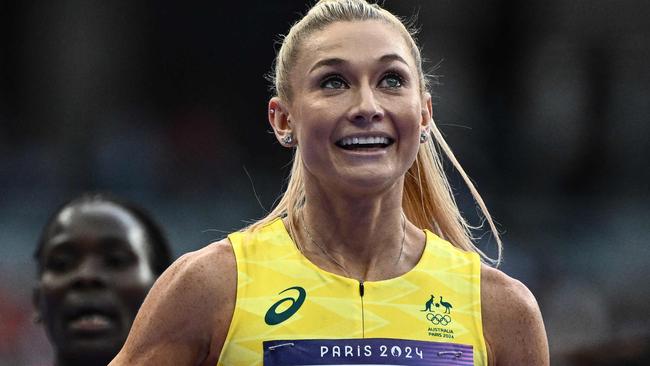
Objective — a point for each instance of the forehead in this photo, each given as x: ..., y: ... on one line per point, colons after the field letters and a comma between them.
x: 95, y: 222
x: 355, y: 41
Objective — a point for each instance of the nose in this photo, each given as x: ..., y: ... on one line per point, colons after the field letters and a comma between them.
x: 89, y: 273
x: 366, y: 108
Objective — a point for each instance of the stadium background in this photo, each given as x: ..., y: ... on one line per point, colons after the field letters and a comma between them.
x: 546, y: 104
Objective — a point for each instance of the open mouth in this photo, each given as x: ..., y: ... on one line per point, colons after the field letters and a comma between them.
x: 91, y: 320
x: 364, y: 142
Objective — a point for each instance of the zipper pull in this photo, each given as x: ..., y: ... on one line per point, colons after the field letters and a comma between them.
x: 361, y: 290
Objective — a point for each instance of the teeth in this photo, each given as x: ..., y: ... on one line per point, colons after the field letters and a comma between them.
x: 91, y: 317
x: 364, y: 140
x: 90, y: 322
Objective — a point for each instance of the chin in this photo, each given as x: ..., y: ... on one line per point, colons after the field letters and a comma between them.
x: 368, y: 183
x: 89, y: 349
x: 90, y: 355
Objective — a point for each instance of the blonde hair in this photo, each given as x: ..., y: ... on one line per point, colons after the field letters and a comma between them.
x: 428, y: 200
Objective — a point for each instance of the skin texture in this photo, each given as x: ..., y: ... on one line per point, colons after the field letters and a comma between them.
x: 95, y: 274
x: 512, y: 322
x: 350, y: 79
x: 365, y: 85
x: 356, y: 79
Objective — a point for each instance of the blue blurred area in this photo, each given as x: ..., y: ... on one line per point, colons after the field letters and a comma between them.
x: 545, y: 103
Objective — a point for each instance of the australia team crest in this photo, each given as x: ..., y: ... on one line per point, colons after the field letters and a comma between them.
x: 438, y: 312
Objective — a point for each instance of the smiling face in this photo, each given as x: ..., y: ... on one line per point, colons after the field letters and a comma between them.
x: 357, y: 108
x: 95, y: 275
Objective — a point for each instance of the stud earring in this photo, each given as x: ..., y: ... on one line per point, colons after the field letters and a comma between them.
x: 272, y: 111
x: 36, y: 319
x: 424, y: 135
x: 288, y: 139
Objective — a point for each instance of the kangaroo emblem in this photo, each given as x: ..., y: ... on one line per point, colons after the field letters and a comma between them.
x: 428, y: 305
x: 446, y: 305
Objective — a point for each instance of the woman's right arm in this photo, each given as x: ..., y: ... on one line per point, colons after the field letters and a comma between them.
x: 185, y: 318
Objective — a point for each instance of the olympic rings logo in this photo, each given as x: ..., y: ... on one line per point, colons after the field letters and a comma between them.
x: 439, y: 319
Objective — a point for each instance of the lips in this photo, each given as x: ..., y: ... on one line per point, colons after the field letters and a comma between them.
x: 364, y: 142
x: 91, y: 319
x: 92, y: 322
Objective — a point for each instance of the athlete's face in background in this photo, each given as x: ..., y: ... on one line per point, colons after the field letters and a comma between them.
x: 357, y: 108
x: 95, y: 275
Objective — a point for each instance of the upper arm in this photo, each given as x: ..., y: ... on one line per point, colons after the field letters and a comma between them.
x: 512, y: 321
x: 185, y: 317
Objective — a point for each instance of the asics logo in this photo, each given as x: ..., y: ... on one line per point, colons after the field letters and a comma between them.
x: 272, y: 317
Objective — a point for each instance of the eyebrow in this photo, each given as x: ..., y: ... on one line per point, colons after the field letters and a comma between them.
x: 63, y: 246
x: 334, y: 61
x: 393, y: 57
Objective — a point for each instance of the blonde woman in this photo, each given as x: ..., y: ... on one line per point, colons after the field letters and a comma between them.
x: 366, y: 258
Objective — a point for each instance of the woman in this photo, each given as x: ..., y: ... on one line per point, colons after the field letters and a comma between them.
x: 97, y: 259
x: 347, y: 268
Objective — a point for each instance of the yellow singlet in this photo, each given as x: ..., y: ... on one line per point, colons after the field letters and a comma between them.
x: 290, y: 312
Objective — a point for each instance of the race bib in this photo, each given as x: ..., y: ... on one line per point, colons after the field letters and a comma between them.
x: 368, y: 351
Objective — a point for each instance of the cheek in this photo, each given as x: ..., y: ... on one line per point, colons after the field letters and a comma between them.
x: 408, y: 129
x: 132, y: 286
x: 410, y: 119
x: 134, y: 282
x: 315, y: 149
x: 52, y: 291
x: 412, y: 110
x: 314, y: 127
x: 314, y: 136
x: 314, y: 122
x: 50, y: 306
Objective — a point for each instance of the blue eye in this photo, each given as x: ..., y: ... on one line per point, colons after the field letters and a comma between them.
x: 334, y: 82
x: 391, y: 81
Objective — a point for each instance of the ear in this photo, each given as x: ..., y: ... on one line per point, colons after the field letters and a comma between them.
x: 427, y: 111
x: 278, y: 116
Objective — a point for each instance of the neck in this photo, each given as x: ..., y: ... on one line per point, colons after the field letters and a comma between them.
x: 89, y: 359
x: 365, y: 239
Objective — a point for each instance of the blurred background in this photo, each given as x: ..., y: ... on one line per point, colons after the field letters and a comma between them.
x: 546, y: 104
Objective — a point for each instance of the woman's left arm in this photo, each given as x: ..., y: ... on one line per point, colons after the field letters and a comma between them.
x: 512, y: 322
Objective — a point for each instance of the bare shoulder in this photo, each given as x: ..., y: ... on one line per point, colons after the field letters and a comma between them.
x: 208, y: 268
x: 185, y: 317
x: 512, y: 321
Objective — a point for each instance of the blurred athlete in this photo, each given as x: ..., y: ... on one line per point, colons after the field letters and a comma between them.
x: 366, y: 258
x: 97, y: 258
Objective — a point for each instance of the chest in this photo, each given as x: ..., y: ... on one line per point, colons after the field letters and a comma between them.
x: 338, y: 321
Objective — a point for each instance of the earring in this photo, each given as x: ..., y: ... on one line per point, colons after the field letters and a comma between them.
x: 287, y: 139
x: 272, y: 111
x: 36, y: 319
x: 424, y: 135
